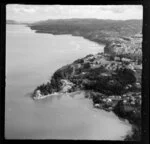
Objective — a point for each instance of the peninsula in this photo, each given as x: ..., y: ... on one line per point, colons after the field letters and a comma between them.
x: 111, y: 79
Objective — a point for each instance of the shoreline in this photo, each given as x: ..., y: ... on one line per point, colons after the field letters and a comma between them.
x: 46, y: 32
x: 135, y: 128
x: 128, y: 115
x: 108, y: 41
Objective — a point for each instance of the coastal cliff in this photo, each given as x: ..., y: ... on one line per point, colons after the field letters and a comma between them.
x: 111, y: 79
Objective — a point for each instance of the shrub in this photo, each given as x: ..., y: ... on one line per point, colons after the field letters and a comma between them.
x: 90, y: 55
x: 79, y: 61
x: 126, y: 76
x: 86, y: 66
x: 44, y: 88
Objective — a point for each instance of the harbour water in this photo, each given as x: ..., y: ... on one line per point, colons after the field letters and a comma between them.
x: 31, y: 58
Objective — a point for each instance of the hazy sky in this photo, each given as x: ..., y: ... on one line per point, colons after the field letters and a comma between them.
x: 44, y: 12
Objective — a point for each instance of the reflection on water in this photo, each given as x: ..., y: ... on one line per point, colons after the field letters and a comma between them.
x: 30, y: 59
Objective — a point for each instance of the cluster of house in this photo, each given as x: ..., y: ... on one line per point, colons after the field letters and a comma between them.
x: 96, y: 60
x: 129, y: 99
x: 132, y: 98
x: 137, y: 38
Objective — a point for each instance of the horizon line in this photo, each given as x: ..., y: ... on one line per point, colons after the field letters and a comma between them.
x: 72, y: 19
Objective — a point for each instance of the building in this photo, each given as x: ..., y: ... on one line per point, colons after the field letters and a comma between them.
x: 38, y: 93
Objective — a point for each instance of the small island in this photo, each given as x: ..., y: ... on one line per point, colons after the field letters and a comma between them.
x: 111, y: 79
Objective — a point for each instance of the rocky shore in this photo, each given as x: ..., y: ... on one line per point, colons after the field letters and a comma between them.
x: 111, y: 79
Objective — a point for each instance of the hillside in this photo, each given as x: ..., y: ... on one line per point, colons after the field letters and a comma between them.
x: 97, y: 30
x: 127, y: 27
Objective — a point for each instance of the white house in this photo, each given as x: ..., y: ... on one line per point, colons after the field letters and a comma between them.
x: 38, y: 93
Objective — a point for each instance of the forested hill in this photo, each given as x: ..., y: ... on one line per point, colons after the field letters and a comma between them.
x: 14, y: 22
x: 87, y: 27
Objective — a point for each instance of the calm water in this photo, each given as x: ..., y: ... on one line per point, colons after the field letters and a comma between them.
x: 31, y: 59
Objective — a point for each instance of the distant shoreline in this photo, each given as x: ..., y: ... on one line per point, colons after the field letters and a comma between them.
x: 41, y: 31
x: 16, y: 24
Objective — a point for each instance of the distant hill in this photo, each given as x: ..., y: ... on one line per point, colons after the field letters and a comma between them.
x: 107, y: 27
x: 11, y: 22
x: 16, y: 22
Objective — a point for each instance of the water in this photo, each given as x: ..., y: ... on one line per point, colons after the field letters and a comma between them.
x: 31, y: 58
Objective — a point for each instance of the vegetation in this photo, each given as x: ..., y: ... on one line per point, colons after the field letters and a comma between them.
x: 44, y: 88
x: 103, y: 27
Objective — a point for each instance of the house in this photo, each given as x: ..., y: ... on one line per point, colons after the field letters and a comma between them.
x: 97, y: 105
x: 83, y: 73
x: 117, y: 58
x: 109, y: 100
x: 38, y: 93
x: 124, y: 101
x: 133, y: 102
x: 126, y: 60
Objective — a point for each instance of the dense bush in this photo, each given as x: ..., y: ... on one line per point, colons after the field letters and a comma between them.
x: 89, y: 55
x: 79, y: 61
x: 86, y: 65
x: 45, y: 88
x: 133, y: 117
x: 126, y: 76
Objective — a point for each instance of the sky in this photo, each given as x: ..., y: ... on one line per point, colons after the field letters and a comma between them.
x: 43, y: 12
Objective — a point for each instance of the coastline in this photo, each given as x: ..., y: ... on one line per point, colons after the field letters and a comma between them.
x: 136, y: 127
x: 125, y: 46
x: 87, y: 38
